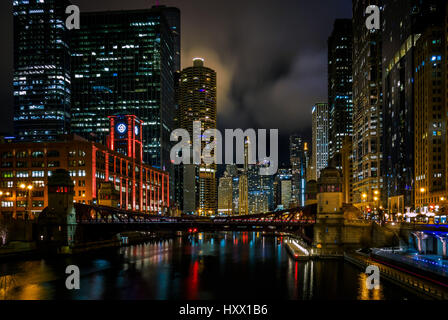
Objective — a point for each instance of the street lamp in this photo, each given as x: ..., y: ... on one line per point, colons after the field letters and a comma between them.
x: 29, y: 187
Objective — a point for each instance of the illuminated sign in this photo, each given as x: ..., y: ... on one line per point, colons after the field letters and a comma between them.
x: 137, y: 130
x: 122, y: 128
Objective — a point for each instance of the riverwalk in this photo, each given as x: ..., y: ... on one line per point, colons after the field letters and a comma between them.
x: 426, y: 287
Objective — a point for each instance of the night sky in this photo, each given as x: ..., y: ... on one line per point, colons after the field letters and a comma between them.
x: 270, y: 56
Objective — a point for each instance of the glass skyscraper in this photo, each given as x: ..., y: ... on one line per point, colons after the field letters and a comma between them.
x: 320, y: 139
x: 41, y: 70
x: 340, y: 98
x: 123, y: 62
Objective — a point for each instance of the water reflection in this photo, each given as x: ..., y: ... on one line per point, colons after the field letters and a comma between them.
x: 203, y: 266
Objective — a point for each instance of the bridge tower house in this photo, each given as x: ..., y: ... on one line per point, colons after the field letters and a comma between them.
x: 57, y: 222
x: 328, y: 230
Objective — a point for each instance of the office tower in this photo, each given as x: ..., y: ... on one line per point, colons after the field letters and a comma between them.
x: 340, y: 99
x: 367, y: 113
x: 260, y: 189
x: 347, y: 169
x: 225, y: 195
x: 430, y: 114
x: 298, y: 161
x: 122, y: 61
x: 173, y: 18
x: 243, y: 187
x: 236, y: 193
x: 320, y: 138
x: 41, y: 70
x: 197, y: 102
x: 403, y: 23
x: 283, y: 188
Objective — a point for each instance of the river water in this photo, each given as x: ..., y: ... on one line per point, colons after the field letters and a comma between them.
x: 215, y: 266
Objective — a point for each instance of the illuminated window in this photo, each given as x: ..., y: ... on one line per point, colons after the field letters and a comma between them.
x: 38, y: 174
x: 7, y: 204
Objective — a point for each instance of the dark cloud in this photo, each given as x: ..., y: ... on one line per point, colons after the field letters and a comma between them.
x: 270, y: 55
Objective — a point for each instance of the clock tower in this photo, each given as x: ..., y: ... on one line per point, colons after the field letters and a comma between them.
x: 126, y: 136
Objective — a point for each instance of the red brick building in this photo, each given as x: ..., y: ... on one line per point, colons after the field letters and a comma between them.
x: 25, y: 168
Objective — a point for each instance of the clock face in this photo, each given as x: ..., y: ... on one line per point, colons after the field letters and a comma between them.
x: 121, y: 128
x: 137, y: 130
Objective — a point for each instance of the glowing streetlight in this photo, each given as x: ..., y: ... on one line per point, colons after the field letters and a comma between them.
x: 364, y: 195
x: 442, y: 199
x: 376, y: 192
x: 422, y: 190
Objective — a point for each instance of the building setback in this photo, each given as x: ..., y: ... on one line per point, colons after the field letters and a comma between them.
x: 340, y: 99
x: 367, y: 112
x: 41, y: 70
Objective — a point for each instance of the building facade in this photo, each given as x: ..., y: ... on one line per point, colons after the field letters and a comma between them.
x: 367, y: 112
x: 26, y: 167
x: 404, y: 23
x: 430, y: 110
x: 298, y: 150
x: 197, y: 102
x: 42, y: 80
x: 347, y: 169
x: 124, y: 61
x: 225, y: 195
x: 320, y: 138
x: 340, y: 97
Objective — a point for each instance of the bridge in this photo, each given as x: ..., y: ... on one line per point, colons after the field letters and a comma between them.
x: 100, y: 219
x: 64, y: 223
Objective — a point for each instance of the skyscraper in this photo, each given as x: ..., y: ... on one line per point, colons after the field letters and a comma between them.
x: 367, y: 114
x: 122, y: 61
x: 243, y: 188
x: 283, y: 188
x: 404, y: 22
x: 173, y: 18
x: 430, y: 110
x: 320, y: 138
x: 225, y: 195
x: 347, y: 169
x: 298, y: 162
x: 340, y: 98
x: 197, y: 102
x: 41, y: 70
